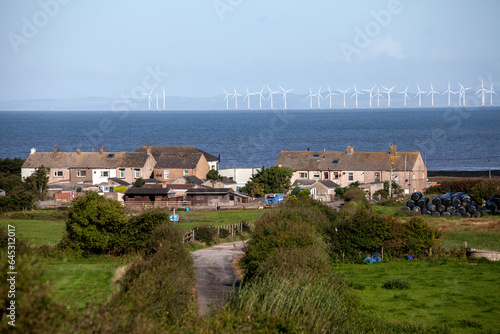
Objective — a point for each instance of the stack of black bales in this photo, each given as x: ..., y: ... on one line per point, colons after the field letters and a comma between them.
x: 492, y: 207
x: 447, y: 205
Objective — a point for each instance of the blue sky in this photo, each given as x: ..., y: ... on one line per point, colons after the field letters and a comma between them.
x: 111, y: 48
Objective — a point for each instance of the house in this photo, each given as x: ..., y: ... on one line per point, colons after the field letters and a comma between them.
x: 240, y: 175
x: 188, y: 180
x: 215, y: 196
x: 321, y: 190
x: 407, y: 169
x: 90, y: 167
x: 224, y: 183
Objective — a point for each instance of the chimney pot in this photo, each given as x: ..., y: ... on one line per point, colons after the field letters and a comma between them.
x: 349, y: 150
x: 101, y: 151
x: 393, y: 149
x: 148, y: 150
x: 33, y: 150
x: 56, y: 150
x: 78, y: 150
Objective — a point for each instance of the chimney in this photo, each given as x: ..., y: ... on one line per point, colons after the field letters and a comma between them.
x: 101, y: 151
x: 56, y: 150
x: 148, y: 150
x: 349, y: 150
x: 393, y: 149
x: 33, y: 150
x: 78, y: 150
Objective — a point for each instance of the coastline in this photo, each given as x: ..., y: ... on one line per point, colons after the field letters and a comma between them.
x: 484, y: 174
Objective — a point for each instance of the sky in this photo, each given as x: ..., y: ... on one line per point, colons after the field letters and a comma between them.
x: 123, y: 48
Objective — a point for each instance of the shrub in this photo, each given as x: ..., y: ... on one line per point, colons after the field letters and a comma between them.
x: 295, y: 191
x: 139, y: 228
x: 205, y: 234
x: 121, y: 189
x: 223, y: 233
x: 304, y: 194
x: 397, y: 283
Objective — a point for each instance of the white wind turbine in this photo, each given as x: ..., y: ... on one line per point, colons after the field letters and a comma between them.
x: 310, y: 97
x: 462, y: 94
x: 378, y: 95
x: 449, y: 91
x: 431, y: 93
x: 318, y: 94
x: 248, y: 97
x: 388, y: 92
x: 271, y: 96
x: 330, y: 93
x: 163, y: 98
x: 344, y: 92
x: 284, y: 94
x: 227, y: 98
x: 419, y: 94
x: 261, y: 97
x: 157, y: 102
x: 371, y: 94
x: 356, y: 93
x: 491, y: 91
x: 149, y: 98
x: 405, y: 92
x: 482, y: 92
x: 235, y: 97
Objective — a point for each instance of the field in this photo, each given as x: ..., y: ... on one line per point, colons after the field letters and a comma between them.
x: 459, y: 294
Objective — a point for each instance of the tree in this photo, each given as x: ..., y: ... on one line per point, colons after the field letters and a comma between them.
x: 11, y: 166
x: 138, y: 183
x: 214, y: 176
x: 295, y: 191
x: 96, y: 224
x: 271, y: 180
x: 37, y: 182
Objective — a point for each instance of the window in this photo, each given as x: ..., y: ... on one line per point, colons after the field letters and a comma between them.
x: 122, y: 173
x: 325, y: 175
x: 166, y: 174
x: 413, y: 176
x: 335, y: 175
x: 377, y: 176
x: 316, y: 175
x: 336, y: 161
x: 137, y: 173
x: 302, y: 175
x: 213, y: 166
x: 104, y: 173
x: 81, y: 173
x: 315, y: 155
x: 351, y: 177
x: 58, y: 173
x: 186, y: 173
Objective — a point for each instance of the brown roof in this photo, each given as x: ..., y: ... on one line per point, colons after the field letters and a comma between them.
x: 85, y: 160
x: 157, y: 151
x: 179, y: 160
x: 339, y: 160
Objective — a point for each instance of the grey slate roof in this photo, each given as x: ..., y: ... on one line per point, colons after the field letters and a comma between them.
x: 178, y: 161
x: 192, y: 179
x: 119, y: 181
x: 227, y: 180
x: 148, y: 191
x: 209, y: 191
x: 176, y: 150
x: 302, y: 183
x: 329, y: 183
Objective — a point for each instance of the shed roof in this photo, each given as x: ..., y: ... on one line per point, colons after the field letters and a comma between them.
x: 148, y: 191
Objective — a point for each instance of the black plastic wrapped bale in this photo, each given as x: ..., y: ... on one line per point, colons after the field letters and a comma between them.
x: 496, y: 199
x: 491, y: 206
x: 416, y: 196
x: 450, y: 209
x: 446, y: 214
x: 456, y: 202
x: 461, y: 210
x: 416, y: 209
x: 406, y: 208
x: 466, y: 215
x: 477, y: 214
x: 440, y: 208
x: 422, y: 203
x: 436, y: 200
x: 456, y: 214
x: 431, y: 207
x: 474, y: 204
x: 446, y: 199
x: 436, y: 213
x: 466, y: 200
x: 427, y: 213
x: 459, y: 194
x: 410, y: 203
x: 471, y: 209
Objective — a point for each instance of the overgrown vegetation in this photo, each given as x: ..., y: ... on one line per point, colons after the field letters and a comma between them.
x: 268, y: 180
x: 478, y: 189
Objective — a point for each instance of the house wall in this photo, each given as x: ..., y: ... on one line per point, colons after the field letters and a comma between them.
x: 210, y: 199
x: 66, y: 178
x: 97, y: 178
x: 75, y: 179
x: 25, y: 172
x: 129, y: 174
x: 200, y: 171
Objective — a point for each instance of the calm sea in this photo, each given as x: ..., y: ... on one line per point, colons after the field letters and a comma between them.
x: 448, y: 138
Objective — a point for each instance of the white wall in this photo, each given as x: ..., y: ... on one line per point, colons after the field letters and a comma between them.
x: 97, y: 178
x: 240, y: 175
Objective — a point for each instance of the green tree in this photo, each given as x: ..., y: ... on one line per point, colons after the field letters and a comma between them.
x: 11, y: 166
x: 214, y: 175
x: 96, y: 224
x: 138, y: 183
x: 37, y: 182
x: 295, y: 191
x: 269, y: 180
x: 304, y: 194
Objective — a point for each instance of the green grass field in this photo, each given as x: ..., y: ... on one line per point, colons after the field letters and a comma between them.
x: 475, y: 239
x: 189, y: 220
x: 461, y: 295
x: 36, y: 232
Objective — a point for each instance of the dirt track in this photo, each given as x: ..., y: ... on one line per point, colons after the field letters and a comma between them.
x: 215, y: 274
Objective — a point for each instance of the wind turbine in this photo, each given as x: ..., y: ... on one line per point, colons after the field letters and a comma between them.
x: 271, y: 96
x: 344, y: 92
x: 248, y: 97
x: 388, y: 92
x: 432, y: 92
x: 284, y: 94
x: 371, y: 95
x: 157, y: 102
x: 235, y: 97
x: 482, y: 92
x: 330, y: 93
x: 491, y: 91
x: 149, y: 98
x: 310, y: 97
x: 378, y: 95
x: 318, y: 94
x: 449, y: 91
x: 356, y: 93
x: 227, y: 98
x: 261, y: 97
x: 419, y: 94
x: 405, y: 95
x: 462, y: 94
x: 163, y: 98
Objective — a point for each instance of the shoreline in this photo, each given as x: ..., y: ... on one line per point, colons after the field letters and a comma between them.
x: 495, y: 173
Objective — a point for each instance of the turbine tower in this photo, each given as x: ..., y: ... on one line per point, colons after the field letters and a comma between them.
x: 356, y: 93
x: 284, y: 94
x: 388, y: 92
x: 261, y: 97
x: 432, y: 92
x: 419, y: 94
x: 149, y: 98
x: 310, y: 97
x: 378, y: 95
x: 318, y: 94
x: 235, y: 97
x: 462, y: 94
x: 271, y: 96
x: 227, y: 98
x: 405, y: 92
x: 371, y: 94
x: 344, y: 92
x: 449, y: 91
x: 163, y: 97
x: 248, y: 97
x: 491, y: 91
x: 157, y: 102
x: 330, y: 93
x: 482, y: 92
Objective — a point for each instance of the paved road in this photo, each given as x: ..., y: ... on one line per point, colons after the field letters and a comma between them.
x: 215, y: 275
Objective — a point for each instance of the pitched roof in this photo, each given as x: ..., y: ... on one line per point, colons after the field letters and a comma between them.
x: 119, y: 181
x: 105, y: 160
x: 329, y: 183
x: 301, y: 183
x: 176, y: 150
x: 148, y: 191
x: 339, y: 160
x: 192, y: 179
x: 227, y: 180
x: 209, y: 191
x: 178, y: 161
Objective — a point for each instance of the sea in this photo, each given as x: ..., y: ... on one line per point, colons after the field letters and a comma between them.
x: 448, y: 138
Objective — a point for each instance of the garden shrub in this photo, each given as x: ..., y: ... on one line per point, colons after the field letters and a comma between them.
x: 121, y: 189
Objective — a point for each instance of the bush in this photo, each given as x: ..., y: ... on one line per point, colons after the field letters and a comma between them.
x: 295, y: 191
x: 397, y: 283
x: 205, y: 234
x: 121, y: 189
x: 223, y: 233
x: 304, y: 194
x: 139, y: 228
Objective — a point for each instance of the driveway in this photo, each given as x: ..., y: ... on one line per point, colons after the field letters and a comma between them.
x: 215, y: 274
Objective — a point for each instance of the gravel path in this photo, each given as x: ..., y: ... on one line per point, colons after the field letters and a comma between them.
x: 215, y: 274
